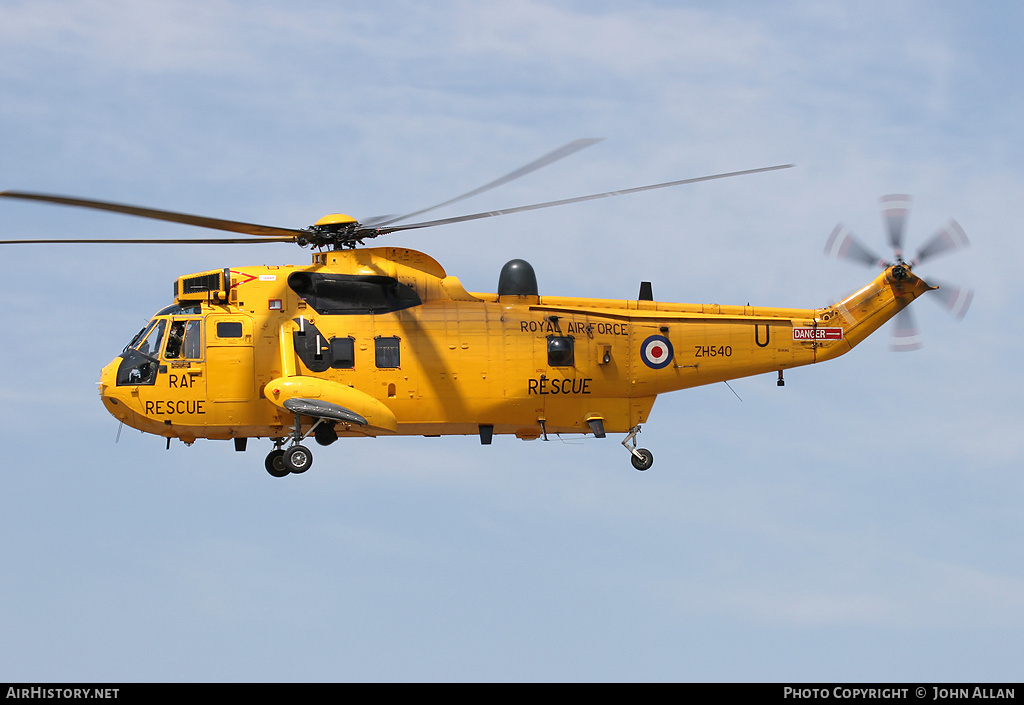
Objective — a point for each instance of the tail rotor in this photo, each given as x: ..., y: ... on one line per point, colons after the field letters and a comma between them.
x: 843, y: 244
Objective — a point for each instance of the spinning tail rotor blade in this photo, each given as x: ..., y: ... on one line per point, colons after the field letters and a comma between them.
x: 951, y: 237
x: 956, y: 299
x: 842, y: 244
x: 894, y: 212
x: 905, y: 336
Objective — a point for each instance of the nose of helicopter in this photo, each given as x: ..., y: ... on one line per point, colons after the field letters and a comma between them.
x: 110, y: 392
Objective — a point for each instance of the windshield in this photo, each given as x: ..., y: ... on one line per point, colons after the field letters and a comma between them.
x: 151, y: 338
x: 140, y: 361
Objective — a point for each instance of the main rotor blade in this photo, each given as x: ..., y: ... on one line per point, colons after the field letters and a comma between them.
x: 378, y: 219
x: 560, y: 153
x: 951, y: 237
x: 894, y: 211
x: 233, y: 226
x: 157, y: 241
x: 842, y: 244
x: 566, y: 201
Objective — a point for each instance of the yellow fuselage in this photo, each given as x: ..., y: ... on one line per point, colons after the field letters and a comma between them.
x: 416, y: 354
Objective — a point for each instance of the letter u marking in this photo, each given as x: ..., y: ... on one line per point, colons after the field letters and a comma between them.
x: 757, y: 335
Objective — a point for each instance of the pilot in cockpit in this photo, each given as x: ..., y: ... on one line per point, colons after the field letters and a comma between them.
x: 174, y: 339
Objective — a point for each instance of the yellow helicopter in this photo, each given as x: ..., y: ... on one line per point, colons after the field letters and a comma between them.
x: 381, y: 341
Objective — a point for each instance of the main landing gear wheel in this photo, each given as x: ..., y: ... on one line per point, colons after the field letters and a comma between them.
x: 298, y: 459
x: 275, y: 463
x: 641, y: 458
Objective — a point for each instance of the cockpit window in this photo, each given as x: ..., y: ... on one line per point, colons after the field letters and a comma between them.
x: 193, y: 347
x: 180, y: 339
x: 140, y: 362
x: 152, y: 339
x: 184, y: 340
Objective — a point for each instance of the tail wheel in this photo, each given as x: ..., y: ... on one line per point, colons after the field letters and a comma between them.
x: 641, y: 458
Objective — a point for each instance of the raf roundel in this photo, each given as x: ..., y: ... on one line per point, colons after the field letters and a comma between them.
x: 656, y: 352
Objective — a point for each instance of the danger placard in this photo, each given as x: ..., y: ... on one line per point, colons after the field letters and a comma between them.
x: 817, y: 334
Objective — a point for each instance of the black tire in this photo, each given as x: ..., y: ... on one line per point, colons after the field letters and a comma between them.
x: 275, y: 463
x: 298, y: 459
x: 645, y: 461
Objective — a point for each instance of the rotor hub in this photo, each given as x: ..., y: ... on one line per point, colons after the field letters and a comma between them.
x: 336, y: 231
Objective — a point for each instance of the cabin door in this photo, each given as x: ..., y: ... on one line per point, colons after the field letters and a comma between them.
x: 230, y: 371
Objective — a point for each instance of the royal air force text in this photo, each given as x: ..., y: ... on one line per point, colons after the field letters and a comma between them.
x: 573, y: 327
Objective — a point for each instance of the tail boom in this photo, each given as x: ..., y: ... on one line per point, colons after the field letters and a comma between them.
x: 733, y: 341
x: 867, y: 310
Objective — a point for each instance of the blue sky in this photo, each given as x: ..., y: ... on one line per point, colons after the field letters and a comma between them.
x: 861, y: 523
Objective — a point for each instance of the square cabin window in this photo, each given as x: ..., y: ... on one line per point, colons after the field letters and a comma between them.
x: 387, y: 352
x: 229, y: 329
x: 343, y: 353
